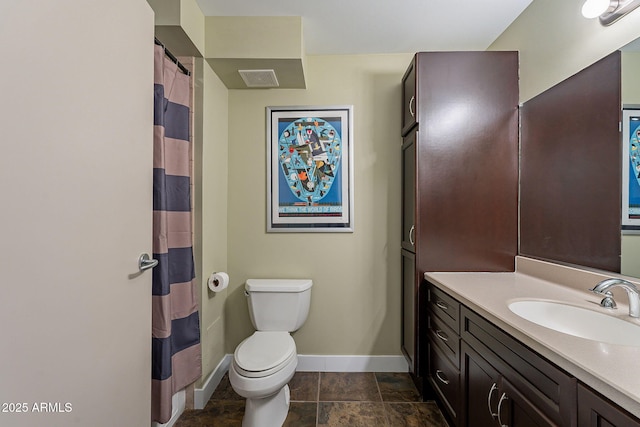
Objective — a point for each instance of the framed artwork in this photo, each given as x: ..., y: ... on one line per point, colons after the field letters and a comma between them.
x: 631, y: 170
x: 310, y: 169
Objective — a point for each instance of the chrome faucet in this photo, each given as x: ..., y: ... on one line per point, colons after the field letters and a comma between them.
x: 603, y: 287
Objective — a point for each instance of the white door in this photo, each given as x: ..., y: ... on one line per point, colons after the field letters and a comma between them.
x: 76, y: 117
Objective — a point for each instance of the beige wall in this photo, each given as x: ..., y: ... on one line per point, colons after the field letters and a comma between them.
x: 356, y: 290
x: 211, y: 212
x: 555, y: 42
x: 355, y: 307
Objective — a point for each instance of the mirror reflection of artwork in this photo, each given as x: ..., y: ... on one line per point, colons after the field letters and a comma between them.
x: 631, y: 170
x: 310, y: 169
x: 634, y: 184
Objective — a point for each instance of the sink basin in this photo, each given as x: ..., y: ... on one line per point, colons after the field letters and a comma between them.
x: 578, y: 321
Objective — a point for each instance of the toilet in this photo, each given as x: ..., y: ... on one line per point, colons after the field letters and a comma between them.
x: 264, y: 363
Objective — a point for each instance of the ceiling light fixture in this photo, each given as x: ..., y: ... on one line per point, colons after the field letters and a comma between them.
x: 608, y: 11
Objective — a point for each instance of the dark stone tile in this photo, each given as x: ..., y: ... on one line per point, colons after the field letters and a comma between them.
x: 223, y: 413
x: 301, y: 414
x: 414, y: 414
x: 224, y: 391
x: 352, y: 414
x: 348, y: 386
x: 304, y: 386
x: 397, y: 387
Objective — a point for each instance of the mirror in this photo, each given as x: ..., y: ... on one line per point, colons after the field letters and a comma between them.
x: 570, y: 168
x: 630, y: 242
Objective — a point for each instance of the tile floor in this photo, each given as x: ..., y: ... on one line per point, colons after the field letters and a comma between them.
x: 318, y: 399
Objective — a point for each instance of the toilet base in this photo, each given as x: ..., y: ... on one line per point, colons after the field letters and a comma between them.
x: 270, y: 411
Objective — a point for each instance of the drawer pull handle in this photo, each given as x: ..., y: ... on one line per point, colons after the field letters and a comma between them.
x: 442, y: 305
x: 502, y: 399
x: 442, y: 335
x: 412, y: 232
x: 440, y: 375
x: 411, y: 101
x: 494, y: 387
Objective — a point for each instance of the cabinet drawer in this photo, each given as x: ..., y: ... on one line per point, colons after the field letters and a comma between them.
x: 445, y: 307
x: 445, y: 338
x: 445, y: 378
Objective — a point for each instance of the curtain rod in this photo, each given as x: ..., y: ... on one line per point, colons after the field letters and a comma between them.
x: 173, y: 58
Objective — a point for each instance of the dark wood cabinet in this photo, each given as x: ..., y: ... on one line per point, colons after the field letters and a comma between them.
x: 531, y: 391
x: 409, y: 308
x: 443, y: 331
x: 491, y: 400
x: 409, y: 191
x: 596, y: 411
x: 485, y: 377
x: 460, y: 175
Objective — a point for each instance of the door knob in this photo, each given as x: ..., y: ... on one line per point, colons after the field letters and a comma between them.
x: 145, y: 262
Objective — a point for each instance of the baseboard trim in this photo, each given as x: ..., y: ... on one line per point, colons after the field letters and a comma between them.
x: 178, y: 403
x: 331, y: 363
x: 202, y: 395
x: 309, y: 363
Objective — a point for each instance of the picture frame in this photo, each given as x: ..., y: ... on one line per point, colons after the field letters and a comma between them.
x: 631, y: 170
x: 310, y: 169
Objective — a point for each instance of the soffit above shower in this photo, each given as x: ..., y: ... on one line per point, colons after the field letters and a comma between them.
x: 234, y: 43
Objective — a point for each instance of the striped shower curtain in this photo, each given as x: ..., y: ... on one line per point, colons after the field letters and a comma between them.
x: 176, y: 356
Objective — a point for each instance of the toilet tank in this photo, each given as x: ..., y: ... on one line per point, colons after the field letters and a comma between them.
x: 278, y: 304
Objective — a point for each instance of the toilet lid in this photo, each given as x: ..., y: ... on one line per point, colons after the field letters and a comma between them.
x: 264, y: 353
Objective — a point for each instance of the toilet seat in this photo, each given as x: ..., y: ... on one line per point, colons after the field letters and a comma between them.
x: 264, y: 353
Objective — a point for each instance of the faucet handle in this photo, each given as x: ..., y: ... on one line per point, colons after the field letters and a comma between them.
x: 608, y: 301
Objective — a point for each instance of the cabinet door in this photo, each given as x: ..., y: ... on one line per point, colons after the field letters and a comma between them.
x: 409, y: 191
x: 409, y: 298
x: 409, y: 106
x: 595, y: 411
x: 521, y: 412
x: 481, y: 393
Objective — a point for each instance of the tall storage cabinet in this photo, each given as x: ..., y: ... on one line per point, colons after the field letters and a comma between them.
x: 460, y: 177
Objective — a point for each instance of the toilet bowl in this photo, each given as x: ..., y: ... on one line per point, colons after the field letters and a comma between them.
x: 266, y: 361
x: 261, y: 376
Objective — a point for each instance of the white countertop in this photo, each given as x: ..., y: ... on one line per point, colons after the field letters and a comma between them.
x: 613, y: 370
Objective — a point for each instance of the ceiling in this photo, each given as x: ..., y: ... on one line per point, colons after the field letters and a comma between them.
x: 384, y: 26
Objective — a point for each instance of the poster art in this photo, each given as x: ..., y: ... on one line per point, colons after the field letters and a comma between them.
x: 309, y: 168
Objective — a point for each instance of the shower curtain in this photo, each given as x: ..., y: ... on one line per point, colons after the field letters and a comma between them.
x: 176, y: 356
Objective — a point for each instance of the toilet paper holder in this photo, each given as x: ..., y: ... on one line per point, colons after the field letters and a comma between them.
x: 218, y: 281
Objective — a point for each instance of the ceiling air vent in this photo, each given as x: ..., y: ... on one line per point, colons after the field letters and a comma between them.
x: 259, y: 78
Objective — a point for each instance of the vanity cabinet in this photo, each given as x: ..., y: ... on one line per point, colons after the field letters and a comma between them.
x: 596, y: 411
x: 459, y: 177
x: 482, y: 376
